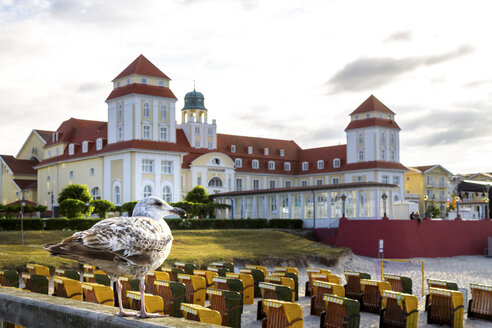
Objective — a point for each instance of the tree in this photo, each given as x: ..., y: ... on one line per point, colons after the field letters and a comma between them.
x: 75, y: 191
x: 102, y: 207
x: 198, y: 195
x: 74, y: 201
x: 434, y: 211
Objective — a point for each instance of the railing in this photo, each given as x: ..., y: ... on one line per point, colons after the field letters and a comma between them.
x: 37, y: 310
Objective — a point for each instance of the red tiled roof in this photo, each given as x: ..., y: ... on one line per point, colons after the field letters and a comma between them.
x: 143, y: 144
x: 142, y: 66
x: 372, y: 104
x: 18, y: 202
x: 24, y: 184
x: 46, y: 135
x: 20, y: 166
x: 364, y: 123
x: 141, y: 89
x: 75, y: 131
x: 423, y: 168
x: 327, y: 155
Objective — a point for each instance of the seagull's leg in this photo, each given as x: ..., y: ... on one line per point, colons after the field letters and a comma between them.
x: 122, y: 313
x: 143, y: 313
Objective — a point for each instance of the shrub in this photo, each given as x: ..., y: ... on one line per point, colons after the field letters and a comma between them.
x: 74, y: 208
x: 56, y: 224
x: 128, y: 207
x: 198, y: 195
x: 81, y: 224
x: 101, y: 207
x: 75, y: 191
x: 15, y: 224
x: 285, y: 224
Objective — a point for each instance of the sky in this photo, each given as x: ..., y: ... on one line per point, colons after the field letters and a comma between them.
x: 288, y: 69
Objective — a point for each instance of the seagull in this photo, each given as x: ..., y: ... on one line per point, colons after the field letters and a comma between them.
x: 122, y: 246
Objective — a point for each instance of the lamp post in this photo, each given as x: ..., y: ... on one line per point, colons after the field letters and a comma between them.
x: 343, y: 197
x: 486, y: 200
x: 426, y: 198
x: 457, y: 199
x: 384, y: 197
x: 23, y: 203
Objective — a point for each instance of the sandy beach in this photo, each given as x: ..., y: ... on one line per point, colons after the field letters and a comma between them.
x: 462, y: 269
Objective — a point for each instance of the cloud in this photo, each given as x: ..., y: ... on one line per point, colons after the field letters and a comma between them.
x: 90, y: 86
x: 369, y: 73
x: 479, y: 83
x: 401, y: 36
x: 444, y: 127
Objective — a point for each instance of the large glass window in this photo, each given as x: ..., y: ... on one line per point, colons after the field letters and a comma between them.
x: 322, y: 205
x: 147, y: 166
x: 335, y: 205
x: 95, y: 193
x: 163, y: 112
x: 308, y: 205
x: 146, y: 132
x: 239, y: 184
x: 166, y: 194
x: 256, y: 184
x: 297, y: 206
x: 116, y: 195
x: 166, y: 167
x: 284, y: 211
x: 367, y: 203
x: 146, y: 110
x: 215, y: 182
x: 163, y: 135
x: 147, y: 191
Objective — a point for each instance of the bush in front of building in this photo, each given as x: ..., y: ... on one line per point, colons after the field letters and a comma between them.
x: 15, y: 224
x: 174, y: 224
x: 75, y: 208
x: 102, y: 207
x: 128, y: 207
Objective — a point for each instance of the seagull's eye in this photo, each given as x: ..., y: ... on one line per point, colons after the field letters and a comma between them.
x: 158, y: 203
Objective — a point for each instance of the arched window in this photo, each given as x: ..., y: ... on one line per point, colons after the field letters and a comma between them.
x: 146, y: 109
x: 305, y: 166
x: 215, y: 182
x: 147, y: 191
x: 255, y: 164
x: 116, y: 195
x: 163, y: 112
x: 95, y: 193
x: 321, y: 164
x: 166, y: 194
x: 271, y: 165
x: 286, y: 166
x: 336, y: 162
x: 238, y: 162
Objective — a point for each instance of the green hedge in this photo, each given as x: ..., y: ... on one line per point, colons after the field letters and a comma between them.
x: 15, y: 224
x: 174, y: 224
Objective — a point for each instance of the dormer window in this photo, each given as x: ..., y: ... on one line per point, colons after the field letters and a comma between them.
x: 356, y: 117
x: 305, y: 166
x: 99, y: 144
x: 336, y: 162
x: 255, y: 164
x: 117, y: 84
x: 161, y: 83
x: 321, y: 164
x: 265, y: 152
x: 282, y: 153
x: 233, y: 148
x: 71, y: 149
x: 368, y: 115
x: 250, y: 150
x: 271, y: 165
x: 389, y: 117
x: 144, y: 81
x: 85, y: 146
x: 216, y: 161
x: 286, y: 166
x: 238, y: 162
x: 127, y: 81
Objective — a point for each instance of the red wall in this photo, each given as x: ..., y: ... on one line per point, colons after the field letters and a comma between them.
x: 408, y: 238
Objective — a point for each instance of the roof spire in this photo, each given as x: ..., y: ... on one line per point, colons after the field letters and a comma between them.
x: 194, y: 85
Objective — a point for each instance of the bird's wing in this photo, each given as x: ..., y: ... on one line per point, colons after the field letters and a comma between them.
x: 123, y: 238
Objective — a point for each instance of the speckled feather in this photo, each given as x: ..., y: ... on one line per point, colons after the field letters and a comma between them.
x: 123, y: 245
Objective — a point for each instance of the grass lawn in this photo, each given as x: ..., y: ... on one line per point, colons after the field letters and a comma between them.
x: 196, y: 246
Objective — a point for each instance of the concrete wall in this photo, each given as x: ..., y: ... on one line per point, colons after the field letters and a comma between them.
x: 37, y: 310
x: 409, y: 238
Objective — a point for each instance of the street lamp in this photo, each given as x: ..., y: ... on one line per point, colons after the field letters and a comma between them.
x: 486, y: 200
x: 457, y: 199
x: 343, y: 197
x: 426, y: 198
x: 23, y: 203
x: 384, y: 197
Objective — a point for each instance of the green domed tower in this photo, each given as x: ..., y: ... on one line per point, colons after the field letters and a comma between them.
x: 194, y: 116
x: 194, y: 108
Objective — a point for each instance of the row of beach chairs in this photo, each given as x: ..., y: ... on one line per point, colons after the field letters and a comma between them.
x: 182, y: 291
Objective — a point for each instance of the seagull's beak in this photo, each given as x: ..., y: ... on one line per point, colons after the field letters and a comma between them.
x: 178, y: 211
